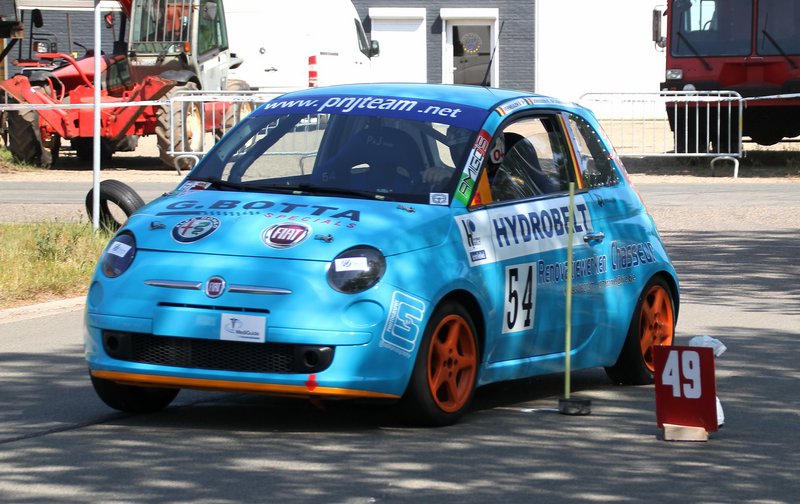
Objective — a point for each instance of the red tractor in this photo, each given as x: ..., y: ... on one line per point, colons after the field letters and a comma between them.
x: 174, y: 46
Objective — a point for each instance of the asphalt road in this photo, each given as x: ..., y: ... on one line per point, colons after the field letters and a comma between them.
x: 736, y: 253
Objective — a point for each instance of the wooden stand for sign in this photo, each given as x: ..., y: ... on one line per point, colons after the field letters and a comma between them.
x: 684, y: 433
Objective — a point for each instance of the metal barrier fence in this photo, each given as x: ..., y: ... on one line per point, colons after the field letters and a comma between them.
x: 198, y: 119
x: 672, y: 123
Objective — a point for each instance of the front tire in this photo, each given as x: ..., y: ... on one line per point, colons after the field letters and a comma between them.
x: 445, y: 373
x: 133, y: 399
x: 652, y: 324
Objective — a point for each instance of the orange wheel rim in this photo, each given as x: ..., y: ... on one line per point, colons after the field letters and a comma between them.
x: 656, y: 323
x: 452, y: 363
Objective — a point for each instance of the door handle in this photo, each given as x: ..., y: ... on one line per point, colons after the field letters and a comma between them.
x: 593, y: 237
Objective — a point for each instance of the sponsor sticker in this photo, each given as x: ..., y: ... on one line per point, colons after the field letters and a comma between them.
x: 441, y: 199
x: 498, y: 234
x: 404, y: 324
x: 195, y: 228
x: 351, y: 264
x: 237, y: 327
x: 119, y: 249
x: 283, y: 236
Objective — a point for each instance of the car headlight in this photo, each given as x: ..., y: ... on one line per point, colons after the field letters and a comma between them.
x: 119, y: 255
x: 356, y: 269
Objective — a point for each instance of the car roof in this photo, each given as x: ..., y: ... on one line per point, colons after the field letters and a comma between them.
x: 475, y: 96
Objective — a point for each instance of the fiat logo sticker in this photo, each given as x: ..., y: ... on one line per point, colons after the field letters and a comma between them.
x: 191, y: 230
x: 215, y: 286
x: 283, y: 236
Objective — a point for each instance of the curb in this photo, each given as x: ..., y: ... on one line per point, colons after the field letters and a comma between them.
x: 41, y: 309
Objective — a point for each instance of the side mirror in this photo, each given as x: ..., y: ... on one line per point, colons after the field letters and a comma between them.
x: 658, y: 39
x: 210, y: 11
x: 36, y: 18
x: 374, y: 48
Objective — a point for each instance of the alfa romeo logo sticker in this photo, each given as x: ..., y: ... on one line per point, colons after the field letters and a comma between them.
x: 196, y: 228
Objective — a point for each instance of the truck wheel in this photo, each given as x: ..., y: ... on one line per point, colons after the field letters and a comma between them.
x: 118, y: 201
x: 185, y: 134
x: 25, y: 140
x: 133, y: 399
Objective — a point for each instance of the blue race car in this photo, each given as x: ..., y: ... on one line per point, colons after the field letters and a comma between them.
x: 404, y: 242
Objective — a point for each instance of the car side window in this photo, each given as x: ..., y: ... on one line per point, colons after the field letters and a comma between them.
x: 528, y: 159
x: 593, y: 160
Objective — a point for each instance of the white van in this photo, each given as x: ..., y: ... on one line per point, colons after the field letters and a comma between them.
x: 296, y: 44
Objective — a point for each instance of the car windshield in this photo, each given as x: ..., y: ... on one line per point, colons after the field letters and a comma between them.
x: 365, y: 156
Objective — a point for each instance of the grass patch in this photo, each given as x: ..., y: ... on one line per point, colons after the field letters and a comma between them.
x: 47, y: 260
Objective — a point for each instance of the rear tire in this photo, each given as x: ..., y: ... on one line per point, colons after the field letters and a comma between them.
x: 186, y: 130
x: 133, y: 399
x: 445, y: 373
x: 119, y: 194
x: 653, y: 323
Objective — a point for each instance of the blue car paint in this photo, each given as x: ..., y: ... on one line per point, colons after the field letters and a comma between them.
x: 376, y: 332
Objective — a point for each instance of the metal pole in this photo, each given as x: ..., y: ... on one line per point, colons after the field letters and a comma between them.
x: 568, y: 334
x: 96, y: 116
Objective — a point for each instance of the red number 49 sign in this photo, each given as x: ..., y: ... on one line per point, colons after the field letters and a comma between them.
x: 685, y: 387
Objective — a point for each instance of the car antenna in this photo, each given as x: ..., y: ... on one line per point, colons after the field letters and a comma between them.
x: 484, y: 82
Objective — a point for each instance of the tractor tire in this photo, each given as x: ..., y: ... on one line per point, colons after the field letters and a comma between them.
x: 234, y: 112
x: 25, y: 140
x: 84, y: 147
x: 125, y: 200
x: 184, y: 133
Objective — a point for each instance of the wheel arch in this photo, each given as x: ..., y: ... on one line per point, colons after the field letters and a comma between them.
x: 672, y: 282
x: 473, y: 306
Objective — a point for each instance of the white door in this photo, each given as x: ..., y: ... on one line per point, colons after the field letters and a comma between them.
x: 401, y: 35
x: 469, y: 52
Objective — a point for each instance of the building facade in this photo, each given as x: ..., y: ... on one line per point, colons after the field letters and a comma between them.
x: 453, y: 41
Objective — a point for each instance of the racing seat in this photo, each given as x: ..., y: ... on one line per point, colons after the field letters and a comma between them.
x: 381, y: 159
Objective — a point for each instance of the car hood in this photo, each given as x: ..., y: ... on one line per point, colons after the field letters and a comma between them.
x: 284, y: 226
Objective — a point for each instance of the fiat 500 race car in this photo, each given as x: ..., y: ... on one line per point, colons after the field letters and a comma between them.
x: 404, y: 242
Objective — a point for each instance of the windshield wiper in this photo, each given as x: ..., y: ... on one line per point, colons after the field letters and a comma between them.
x: 694, y: 50
x: 779, y: 48
x: 339, y: 191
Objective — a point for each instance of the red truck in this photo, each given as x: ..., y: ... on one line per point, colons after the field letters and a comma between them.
x: 751, y: 47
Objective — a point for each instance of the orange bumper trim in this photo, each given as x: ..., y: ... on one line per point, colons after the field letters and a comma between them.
x: 235, y: 386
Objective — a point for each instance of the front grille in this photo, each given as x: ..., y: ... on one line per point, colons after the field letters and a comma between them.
x: 216, y: 354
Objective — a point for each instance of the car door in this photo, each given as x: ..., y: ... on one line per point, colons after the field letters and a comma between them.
x: 528, y: 169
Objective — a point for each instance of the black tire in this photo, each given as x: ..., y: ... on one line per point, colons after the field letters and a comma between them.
x: 442, y: 383
x: 119, y: 194
x: 653, y: 323
x: 187, y: 125
x: 25, y: 140
x: 133, y: 399
x: 84, y: 147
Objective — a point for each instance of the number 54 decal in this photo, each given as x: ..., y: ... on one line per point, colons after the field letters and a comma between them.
x: 520, y: 297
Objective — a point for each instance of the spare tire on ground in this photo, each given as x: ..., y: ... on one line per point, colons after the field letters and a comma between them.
x: 118, y: 201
